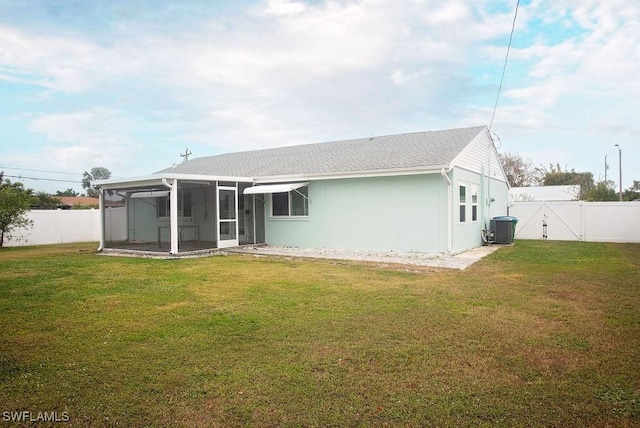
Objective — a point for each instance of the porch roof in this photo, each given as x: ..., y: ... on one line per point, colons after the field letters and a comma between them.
x: 160, y: 178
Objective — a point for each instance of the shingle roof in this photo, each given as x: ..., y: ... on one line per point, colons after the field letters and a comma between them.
x: 418, y: 149
x: 78, y: 200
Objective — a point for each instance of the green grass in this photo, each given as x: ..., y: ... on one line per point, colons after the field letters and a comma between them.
x: 538, y: 334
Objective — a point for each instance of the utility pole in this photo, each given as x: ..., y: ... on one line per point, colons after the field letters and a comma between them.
x: 606, y: 167
x: 620, y: 168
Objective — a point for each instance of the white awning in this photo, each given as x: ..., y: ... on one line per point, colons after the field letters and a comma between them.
x: 151, y: 194
x: 274, y: 188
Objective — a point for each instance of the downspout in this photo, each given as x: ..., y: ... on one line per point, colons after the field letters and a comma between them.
x: 449, y: 212
x: 173, y: 203
x: 491, y: 148
x: 101, y: 221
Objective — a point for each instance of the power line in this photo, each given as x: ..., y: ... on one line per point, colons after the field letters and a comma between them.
x: 40, y: 170
x: 21, y: 177
x: 504, y: 68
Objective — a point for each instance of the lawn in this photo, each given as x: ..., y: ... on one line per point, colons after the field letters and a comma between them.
x: 537, y: 334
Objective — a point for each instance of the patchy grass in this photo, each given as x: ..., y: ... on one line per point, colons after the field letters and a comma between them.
x: 538, y: 334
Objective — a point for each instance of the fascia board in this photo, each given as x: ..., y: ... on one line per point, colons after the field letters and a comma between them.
x: 156, y: 179
x: 434, y: 169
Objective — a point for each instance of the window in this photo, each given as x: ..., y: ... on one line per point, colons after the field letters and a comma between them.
x: 300, y: 201
x: 291, y: 204
x: 185, y: 202
x: 474, y: 204
x: 463, y: 203
x: 280, y: 204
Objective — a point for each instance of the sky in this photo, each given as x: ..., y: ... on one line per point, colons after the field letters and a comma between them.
x: 129, y: 85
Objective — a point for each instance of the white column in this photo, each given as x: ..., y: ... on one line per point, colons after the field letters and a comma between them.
x: 173, y: 198
x: 450, y: 210
x: 101, y: 199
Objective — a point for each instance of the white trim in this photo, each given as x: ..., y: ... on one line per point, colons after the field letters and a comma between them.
x: 274, y: 188
x: 150, y: 194
x: 289, y: 215
x: 158, y: 179
x: 102, y: 237
x: 226, y: 243
x: 449, y: 211
x: 474, y: 192
x: 173, y: 217
x: 354, y: 174
x: 462, y: 203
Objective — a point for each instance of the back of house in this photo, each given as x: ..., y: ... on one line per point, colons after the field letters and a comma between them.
x: 431, y: 191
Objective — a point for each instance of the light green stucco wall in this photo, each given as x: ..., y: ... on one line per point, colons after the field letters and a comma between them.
x: 467, y: 235
x: 404, y: 213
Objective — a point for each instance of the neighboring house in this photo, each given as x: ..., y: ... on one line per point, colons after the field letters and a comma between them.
x: 429, y: 191
x: 70, y: 202
x: 83, y: 202
x: 545, y: 193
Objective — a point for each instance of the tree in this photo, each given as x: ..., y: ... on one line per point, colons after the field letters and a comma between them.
x: 520, y: 172
x: 68, y: 192
x: 14, y: 205
x: 555, y: 176
x: 44, y: 201
x: 633, y: 192
x: 97, y: 173
x: 601, y: 192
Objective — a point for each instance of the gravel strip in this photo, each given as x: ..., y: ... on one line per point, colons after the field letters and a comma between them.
x: 443, y: 260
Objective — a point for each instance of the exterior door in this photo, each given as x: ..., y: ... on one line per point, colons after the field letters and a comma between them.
x: 227, y: 217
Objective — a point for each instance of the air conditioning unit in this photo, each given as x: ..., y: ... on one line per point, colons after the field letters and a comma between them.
x: 502, y: 230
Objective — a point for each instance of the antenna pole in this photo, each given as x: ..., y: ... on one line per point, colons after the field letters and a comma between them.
x: 185, y: 155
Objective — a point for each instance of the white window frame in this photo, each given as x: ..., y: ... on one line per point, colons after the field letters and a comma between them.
x: 474, y: 204
x: 305, y: 199
x: 462, y: 204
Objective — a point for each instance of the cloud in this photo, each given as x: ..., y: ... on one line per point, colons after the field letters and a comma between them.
x: 95, y: 128
x: 283, y: 7
x: 277, y: 72
x: 53, y: 62
x: 87, y: 138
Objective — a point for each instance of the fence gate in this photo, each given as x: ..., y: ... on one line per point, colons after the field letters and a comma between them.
x: 577, y: 221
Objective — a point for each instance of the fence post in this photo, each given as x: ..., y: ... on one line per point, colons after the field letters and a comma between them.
x: 583, y: 225
x: 58, y: 226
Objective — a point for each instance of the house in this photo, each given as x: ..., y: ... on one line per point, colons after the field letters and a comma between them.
x: 431, y: 191
x: 545, y: 193
x: 83, y: 202
x: 71, y: 202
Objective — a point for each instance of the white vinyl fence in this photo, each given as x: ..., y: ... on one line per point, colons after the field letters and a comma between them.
x: 578, y: 220
x: 59, y: 227
x: 565, y: 220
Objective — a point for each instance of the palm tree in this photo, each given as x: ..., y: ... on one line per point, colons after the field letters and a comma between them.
x: 97, y: 173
